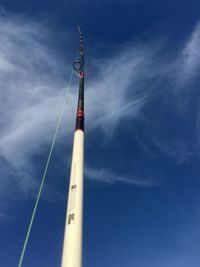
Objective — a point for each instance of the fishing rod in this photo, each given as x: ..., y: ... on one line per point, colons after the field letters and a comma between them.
x: 72, y: 244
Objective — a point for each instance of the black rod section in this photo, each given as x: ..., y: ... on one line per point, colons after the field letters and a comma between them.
x: 79, y: 66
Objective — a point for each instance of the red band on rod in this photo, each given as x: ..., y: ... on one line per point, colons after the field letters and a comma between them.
x: 80, y: 114
x: 81, y: 74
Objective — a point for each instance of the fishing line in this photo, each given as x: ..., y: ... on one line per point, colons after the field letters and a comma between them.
x: 66, y: 6
x: 52, y: 145
x: 45, y: 170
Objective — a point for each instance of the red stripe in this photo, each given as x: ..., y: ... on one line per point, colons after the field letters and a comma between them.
x: 80, y: 114
x: 81, y: 74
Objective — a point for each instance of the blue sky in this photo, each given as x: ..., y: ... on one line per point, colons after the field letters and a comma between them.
x: 142, y: 146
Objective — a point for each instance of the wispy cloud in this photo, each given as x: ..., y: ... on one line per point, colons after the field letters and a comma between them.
x: 27, y: 92
x: 2, y: 11
x: 30, y: 97
x: 190, y: 56
x: 32, y: 75
x: 104, y: 176
x: 32, y: 89
x: 123, y: 74
x: 174, y: 132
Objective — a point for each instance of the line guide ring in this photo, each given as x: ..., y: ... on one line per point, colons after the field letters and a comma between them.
x: 77, y: 66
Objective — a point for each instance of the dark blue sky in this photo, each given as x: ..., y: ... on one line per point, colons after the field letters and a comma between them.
x: 142, y: 146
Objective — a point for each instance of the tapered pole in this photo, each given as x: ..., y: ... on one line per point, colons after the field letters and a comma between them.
x: 72, y: 245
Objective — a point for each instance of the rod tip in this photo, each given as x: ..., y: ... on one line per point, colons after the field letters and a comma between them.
x: 79, y: 29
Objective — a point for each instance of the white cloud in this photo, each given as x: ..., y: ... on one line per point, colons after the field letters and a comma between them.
x: 31, y: 77
x: 175, y: 133
x: 32, y: 91
x: 190, y: 57
x: 2, y: 11
x: 30, y: 98
x: 107, y: 97
x: 103, y: 175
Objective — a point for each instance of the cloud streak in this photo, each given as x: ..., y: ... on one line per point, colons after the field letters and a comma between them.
x: 103, y: 175
x: 30, y: 72
x: 32, y: 89
x: 190, y: 57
